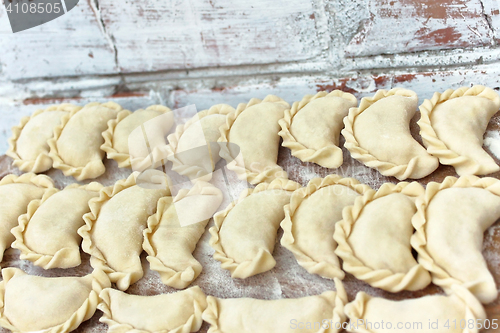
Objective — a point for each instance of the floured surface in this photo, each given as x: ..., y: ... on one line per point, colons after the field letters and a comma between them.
x: 287, y: 279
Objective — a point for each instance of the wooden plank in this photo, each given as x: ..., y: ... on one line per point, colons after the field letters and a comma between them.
x: 412, y: 25
x: 156, y: 35
x: 294, y: 88
x: 492, y: 13
x: 70, y: 45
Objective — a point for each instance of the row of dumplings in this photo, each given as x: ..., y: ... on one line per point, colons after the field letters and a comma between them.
x: 377, y: 133
x: 373, y: 232
x: 374, y: 236
x: 116, y: 223
x: 31, y: 303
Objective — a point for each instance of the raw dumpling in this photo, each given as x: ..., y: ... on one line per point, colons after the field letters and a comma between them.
x: 244, y: 234
x: 321, y: 313
x: 374, y: 238
x: 193, y: 148
x: 47, y: 233
x: 311, y: 128
x: 450, y: 223
x: 178, y: 312
x: 174, y: 231
x: 30, y: 303
x: 15, y: 195
x: 452, y: 126
x: 434, y: 313
x: 310, y: 220
x: 28, y: 144
x: 252, y: 140
x: 377, y: 133
x: 126, y: 131
x: 75, y: 147
x: 113, y: 228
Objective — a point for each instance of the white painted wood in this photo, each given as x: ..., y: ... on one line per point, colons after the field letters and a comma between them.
x: 155, y: 35
x: 411, y: 25
x: 71, y: 45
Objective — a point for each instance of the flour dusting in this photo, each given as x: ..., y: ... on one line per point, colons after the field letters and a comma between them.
x: 492, y: 142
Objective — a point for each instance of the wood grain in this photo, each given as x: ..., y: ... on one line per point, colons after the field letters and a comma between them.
x: 434, y: 25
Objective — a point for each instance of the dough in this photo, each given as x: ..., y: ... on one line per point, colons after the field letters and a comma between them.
x: 75, y: 147
x: 28, y: 144
x: 311, y: 128
x: 452, y: 128
x: 178, y: 312
x: 377, y: 134
x: 128, y: 130
x: 47, y: 233
x: 113, y: 228
x: 244, y: 234
x: 450, y: 223
x: 193, y: 148
x: 310, y: 220
x: 251, y: 140
x: 374, y: 238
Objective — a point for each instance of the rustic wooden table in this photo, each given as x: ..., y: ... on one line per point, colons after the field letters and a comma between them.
x: 205, y: 52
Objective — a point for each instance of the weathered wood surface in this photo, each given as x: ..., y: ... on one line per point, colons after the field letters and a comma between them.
x: 103, y: 46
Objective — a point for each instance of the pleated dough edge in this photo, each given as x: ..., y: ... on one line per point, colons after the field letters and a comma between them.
x: 329, y: 156
x: 93, y: 169
x: 169, y: 276
x: 38, y: 259
x: 42, y: 181
x: 242, y: 172
x: 99, y: 281
x: 417, y: 278
x: 438, y: 148
x: 212, y: 313
x: 401, y: 172
x: 264, y: 260
x: 192, y: 171
x: 191, y: 325
x: 43, y: 162
x: 323, y: 269
x: 123, y: 159
x: 474, y: 310
x: 97, y: 260
x: 419, y: 239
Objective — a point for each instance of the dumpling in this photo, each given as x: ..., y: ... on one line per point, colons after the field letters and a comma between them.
x: 310, y: 220
x: 30, y: 303
x: 113, y: 228
x: 75, y: 147
x: 377, y: 134
x: 450, y: 223
x: 16, y: 192
x: 374, y: 238
x: 252, y: 141
x: 124, y: 139
x: 459, y: 312
x: 311, y: 128
x: 452, y: 126
x: 47, y: 233
x: 174, y: 231
x: 244, y: 234
x: 321, y: 313
x: 193, y: 148
x: 28, y: 144
x: 178, y: 312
